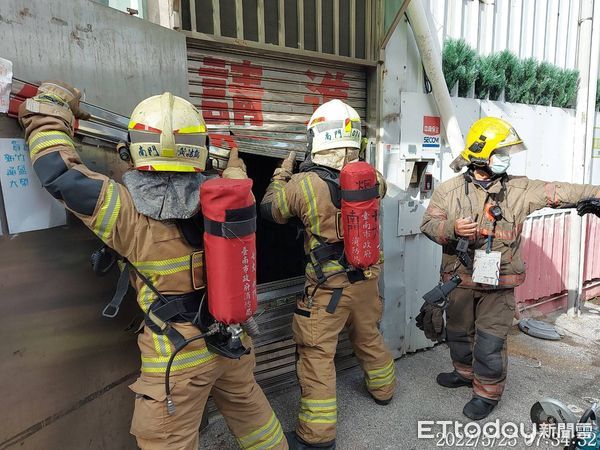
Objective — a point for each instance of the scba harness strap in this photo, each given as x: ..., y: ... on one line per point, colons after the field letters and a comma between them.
x: 325, y: 252
x: 164, y: 310
x: 168, y: 309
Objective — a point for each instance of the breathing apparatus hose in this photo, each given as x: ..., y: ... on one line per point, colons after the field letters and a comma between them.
x: 170, y: 403
x: 320, y: 283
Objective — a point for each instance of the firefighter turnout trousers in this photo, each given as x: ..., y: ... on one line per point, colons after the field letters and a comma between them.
x: 316, y: 334
x: 478, y: 324
x: 234, y: 390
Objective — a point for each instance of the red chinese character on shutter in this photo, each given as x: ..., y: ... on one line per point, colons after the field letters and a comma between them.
x: 247, y: 93
x: 214, y: 74
x: 330, y: 87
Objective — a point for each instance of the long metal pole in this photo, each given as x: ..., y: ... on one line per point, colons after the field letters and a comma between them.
x: 587, y: 64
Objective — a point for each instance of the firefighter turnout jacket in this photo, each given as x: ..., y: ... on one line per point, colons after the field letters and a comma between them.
x: 160, y: 252
x: 516, y: 196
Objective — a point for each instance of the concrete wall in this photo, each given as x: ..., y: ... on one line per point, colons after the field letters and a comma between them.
x: 115, y: 58
x: 64, y: 368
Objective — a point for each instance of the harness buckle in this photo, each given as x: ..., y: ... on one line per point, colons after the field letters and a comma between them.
x: 369, y: 274
x: 162, y: 325
x: 110, y: 311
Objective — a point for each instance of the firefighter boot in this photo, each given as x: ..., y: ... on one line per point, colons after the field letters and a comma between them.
x: 381, y: 402
x: 479, y: 408
x: 452, y: 380
x: 295, y: 443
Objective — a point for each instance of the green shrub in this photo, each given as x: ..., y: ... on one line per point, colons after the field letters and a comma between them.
x: 491, y: 78
x: 565, y: 89
x: 598, y: 96
x: 523, y: 80
x: 545, y: 85
x: 528, y: 82
x: 459, y: 63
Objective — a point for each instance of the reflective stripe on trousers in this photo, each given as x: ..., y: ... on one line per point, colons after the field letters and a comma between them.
x: 377, y: 378
x: 266, y: 437
x: 318, y: 410
x: 183, y: 360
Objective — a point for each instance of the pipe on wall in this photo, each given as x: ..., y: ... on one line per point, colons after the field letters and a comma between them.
x: 432, y: 62
x: 587, y: 63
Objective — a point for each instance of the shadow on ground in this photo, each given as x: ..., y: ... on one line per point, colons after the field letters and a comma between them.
x: 568, y: 370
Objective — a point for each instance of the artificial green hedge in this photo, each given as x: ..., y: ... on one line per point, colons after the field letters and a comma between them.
x: 523, y: 80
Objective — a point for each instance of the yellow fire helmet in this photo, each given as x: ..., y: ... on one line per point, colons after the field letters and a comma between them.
x: 335, y: 131
x: 168, y: 134
x: 486, y: 136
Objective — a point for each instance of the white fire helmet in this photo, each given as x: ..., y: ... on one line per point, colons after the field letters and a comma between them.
x: 334, y: 129
x: 168, y: 134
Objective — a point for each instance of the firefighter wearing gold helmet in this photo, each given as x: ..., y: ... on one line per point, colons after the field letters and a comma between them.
x: 477, y: 217
x: 152, y: 220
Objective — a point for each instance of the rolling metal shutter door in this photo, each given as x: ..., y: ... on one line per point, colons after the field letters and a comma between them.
x: 262, y: 104
x: 266, y: 101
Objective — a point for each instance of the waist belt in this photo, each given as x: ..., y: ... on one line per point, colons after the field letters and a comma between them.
x: 323, y: 253
x: 178, y: 308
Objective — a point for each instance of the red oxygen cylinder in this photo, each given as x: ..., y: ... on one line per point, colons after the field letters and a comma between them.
x: 229, y: 211
x: 360, y: 214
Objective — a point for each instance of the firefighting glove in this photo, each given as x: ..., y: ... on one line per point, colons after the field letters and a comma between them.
x: 591, y: 205
x: 235, y: 160
x: 431, y: 321
x: 59, y: 91
x: 284, y: 173
x: 54, y: 100
x: 235, y: 166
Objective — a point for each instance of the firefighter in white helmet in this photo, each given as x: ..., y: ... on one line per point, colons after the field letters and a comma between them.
x: 152, y: 221
x: 336, y: 296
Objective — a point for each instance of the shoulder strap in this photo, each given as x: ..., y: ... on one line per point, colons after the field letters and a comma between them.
x: 332, y: 179
x: 192, y: 230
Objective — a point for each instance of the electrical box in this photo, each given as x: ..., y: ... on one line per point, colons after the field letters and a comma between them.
x: 410, y: 215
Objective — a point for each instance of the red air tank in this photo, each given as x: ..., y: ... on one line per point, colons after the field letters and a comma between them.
x: 229, y: 211
x: 360, y: 214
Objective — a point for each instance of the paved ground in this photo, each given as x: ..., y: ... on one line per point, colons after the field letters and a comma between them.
x: 568, y: 370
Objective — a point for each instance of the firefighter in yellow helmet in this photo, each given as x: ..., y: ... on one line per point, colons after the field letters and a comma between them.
x: 337, y: 296
x: 477, y: 217
x: 152, y: 220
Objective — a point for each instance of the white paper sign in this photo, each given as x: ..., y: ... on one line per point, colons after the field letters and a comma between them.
x: 28, y: 206
x: 6, y: 75
x: 486, y: 267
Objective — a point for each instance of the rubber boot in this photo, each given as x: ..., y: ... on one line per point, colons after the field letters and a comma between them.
x: 452, y: 380
x: 295, y: 443
x: 479, y: 408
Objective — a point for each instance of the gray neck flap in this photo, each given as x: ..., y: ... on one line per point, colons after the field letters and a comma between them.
x: 165, y: 195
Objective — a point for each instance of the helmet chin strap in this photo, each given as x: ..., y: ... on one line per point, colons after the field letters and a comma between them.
x: 486, y: 169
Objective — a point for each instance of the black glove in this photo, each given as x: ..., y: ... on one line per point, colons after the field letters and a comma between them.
x: 591, y: 205
x: 431, y: 321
